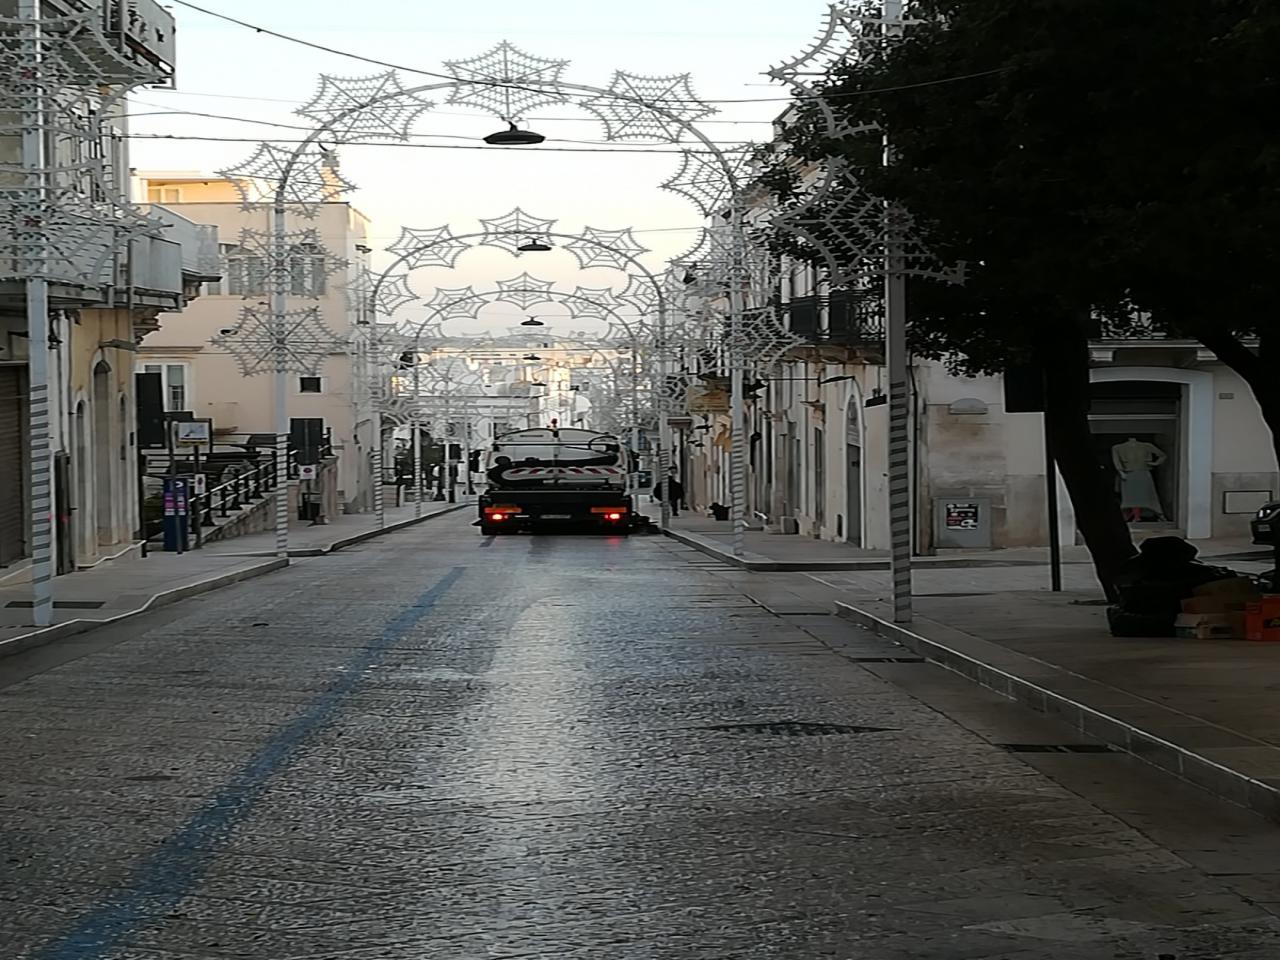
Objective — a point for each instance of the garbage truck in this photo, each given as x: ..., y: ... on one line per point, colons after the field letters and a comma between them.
x: 556, y: 477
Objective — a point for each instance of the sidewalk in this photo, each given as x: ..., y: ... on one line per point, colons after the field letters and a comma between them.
x: 116, y: 590
x: 342, y: 531
x: 772, y: 552
x: 1204, y: 710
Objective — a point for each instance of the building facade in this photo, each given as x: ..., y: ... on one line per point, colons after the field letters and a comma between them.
x: 101, y: 303
x: 818, y: 434
x: 196, y: 356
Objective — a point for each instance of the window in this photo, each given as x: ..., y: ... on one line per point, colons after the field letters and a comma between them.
x: 306, y: 270
x: 309, y: 385
x: 245, y: 274
x: 173, y: 380
x: 164, y: 195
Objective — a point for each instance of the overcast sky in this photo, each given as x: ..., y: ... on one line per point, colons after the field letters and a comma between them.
x: 725, y: 44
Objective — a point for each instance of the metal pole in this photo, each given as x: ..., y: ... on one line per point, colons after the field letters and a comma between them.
x: 379, y: 503
x: 279, y: 276
x: 1051, y: 499
x: 660, y: 390
x: 737, y: 390
x: 37, y: 297
x: 898, y: 364
x: 466, y: 451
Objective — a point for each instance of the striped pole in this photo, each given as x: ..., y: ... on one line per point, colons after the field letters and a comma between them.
x: 41, y: 498
x: 899, y: 439
x: 40, y: 457
x: 379, y: 504
x: 895, y: 296
x: 279, y: 277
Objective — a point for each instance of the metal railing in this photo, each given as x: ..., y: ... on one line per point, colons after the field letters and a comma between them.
x: 233, y: 495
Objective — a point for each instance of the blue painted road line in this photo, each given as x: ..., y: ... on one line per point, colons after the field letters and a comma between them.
x: 163, y: 879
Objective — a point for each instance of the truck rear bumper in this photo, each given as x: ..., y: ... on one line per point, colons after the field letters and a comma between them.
x: 522, y: 512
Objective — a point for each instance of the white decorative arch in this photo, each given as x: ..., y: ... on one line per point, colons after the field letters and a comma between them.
x: 1196, y: 456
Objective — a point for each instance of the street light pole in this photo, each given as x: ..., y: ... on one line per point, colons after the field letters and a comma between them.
x: 897, y: 361
x: 280, y: 389
x: 37, y: 307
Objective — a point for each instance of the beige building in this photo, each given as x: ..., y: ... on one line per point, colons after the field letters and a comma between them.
x: 207, y: 378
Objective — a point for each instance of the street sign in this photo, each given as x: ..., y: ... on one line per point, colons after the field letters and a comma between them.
x: 192, y: 432
x: 308, y: 471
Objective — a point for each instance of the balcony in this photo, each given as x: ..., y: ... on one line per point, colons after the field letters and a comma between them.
x: 846, y: 325
x: 139, y: 30
x: 199, y: 241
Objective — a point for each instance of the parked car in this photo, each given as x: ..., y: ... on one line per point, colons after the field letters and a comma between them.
x: 1265, y: 525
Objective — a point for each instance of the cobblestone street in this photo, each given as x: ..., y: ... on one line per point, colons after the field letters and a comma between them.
x: 437, y: 746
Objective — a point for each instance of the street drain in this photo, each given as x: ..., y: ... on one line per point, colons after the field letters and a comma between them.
x: 151, y: 778
x: 1057, y: 748
x: 888, y: 659
x: 794, y: 728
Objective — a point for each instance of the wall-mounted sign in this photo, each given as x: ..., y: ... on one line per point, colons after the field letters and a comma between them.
x: 960, y: 516
x: 192, y: 431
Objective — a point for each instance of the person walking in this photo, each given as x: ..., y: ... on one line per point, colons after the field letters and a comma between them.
x: 675, y: 493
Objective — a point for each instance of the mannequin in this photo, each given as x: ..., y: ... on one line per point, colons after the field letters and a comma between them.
x: 1134, y: 460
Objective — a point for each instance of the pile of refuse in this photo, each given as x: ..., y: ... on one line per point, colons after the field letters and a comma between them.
x: 1164, y: 591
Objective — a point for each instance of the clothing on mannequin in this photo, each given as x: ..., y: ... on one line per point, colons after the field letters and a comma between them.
x: 1134, y: 461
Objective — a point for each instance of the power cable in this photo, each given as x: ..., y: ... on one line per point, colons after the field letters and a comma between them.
x: 504, y: 85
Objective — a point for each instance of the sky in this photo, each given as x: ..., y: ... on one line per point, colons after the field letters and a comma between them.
x: 233, y: 72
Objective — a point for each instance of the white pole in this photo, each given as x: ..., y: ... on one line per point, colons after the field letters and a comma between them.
x: 895, y: 293
x: 737, y: 393
x: 417, y: 440
x: 279, y: 278
x: 664, y: 420
x: 37, y: 296
x: 379, y: 502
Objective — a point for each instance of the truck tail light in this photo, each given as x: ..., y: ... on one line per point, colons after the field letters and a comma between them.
x: 610, y: 513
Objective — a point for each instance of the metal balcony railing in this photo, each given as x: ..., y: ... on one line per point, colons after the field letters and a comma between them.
x: 199, y: 242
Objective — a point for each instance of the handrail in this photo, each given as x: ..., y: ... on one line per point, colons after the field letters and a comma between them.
x: 238, y: 492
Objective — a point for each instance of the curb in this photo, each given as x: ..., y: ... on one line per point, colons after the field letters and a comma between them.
x: 71, y: 628
x: 1183, y: 762
x: 758, y: 563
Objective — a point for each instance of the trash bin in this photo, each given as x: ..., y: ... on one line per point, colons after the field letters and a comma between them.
x: 719, y: 511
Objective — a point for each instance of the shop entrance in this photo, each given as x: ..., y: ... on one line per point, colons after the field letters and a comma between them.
x: 1137, y: 436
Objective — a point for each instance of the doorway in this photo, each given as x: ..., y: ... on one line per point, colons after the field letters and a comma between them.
x: 1125, y: 412
x: 103, y: 455
x: 853, y: 475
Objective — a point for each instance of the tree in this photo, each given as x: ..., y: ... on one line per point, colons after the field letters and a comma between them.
x: 1049, y: 143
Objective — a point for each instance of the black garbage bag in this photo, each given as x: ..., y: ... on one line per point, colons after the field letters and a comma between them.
x: 719, y: 511
x: 1153, y: 583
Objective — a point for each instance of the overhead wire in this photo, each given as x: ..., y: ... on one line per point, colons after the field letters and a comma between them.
x: 508, y: 85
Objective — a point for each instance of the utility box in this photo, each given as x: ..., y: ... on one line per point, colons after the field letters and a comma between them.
x: 962, y: 523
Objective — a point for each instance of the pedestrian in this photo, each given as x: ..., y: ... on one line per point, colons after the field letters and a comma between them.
x: 675, y: 493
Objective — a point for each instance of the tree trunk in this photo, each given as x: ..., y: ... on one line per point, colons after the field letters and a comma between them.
x: 1065, y: 356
